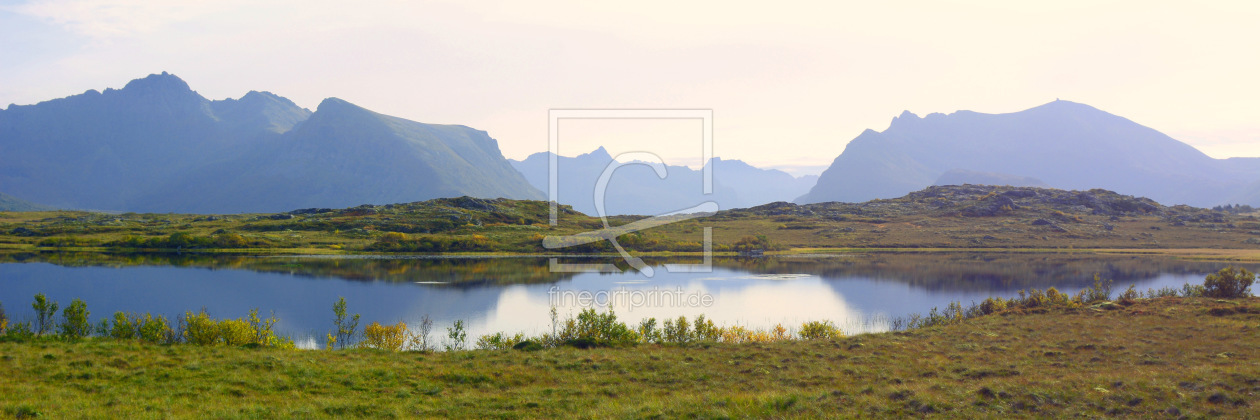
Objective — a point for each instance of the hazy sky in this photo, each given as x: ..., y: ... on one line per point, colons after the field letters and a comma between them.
x: 790, y: 83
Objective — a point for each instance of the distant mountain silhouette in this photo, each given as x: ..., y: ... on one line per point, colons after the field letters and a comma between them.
x: 11, y: 203
x: 1064, y: 144
x: 157, y: 146
x: 636, y: 189
x: 963, y: 176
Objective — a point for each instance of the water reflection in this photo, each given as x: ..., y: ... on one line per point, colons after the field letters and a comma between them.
x: 859, y: 292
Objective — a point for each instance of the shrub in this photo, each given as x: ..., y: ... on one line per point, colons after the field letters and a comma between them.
x: 1229, y: 283
x: 345, y: 326
x: 44, y: 312
x: 1162, y: 292
x: 676, y: 331
x: 592, y: 328
x: 457, y: 335
x: 384, y: 337
x: 420, y: 340
x: 1101, y: 291
x: 648, y: 331
x: 154, y: 330
x: 501, y: 341
x: 200, y: 329
x: 1192, y: 290
x: 1129, y: 297
x: 76, y: 320
x: 236, y: 332
x: 123, y: 328
x: 20, y: 332
x: 992, y: 305
x: 4, y: 319
x: 263, y: 331
x: 705, y: 331
x: 820, y: 330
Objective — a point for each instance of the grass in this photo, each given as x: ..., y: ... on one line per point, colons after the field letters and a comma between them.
x: 1155, y: 358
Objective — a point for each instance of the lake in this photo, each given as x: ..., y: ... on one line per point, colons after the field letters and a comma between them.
x: 860, y: 293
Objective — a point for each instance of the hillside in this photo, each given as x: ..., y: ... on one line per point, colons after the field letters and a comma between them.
x: 1063, y: 144
x: 158, y: 146
x: 948, y: 217
x: 11, y: 203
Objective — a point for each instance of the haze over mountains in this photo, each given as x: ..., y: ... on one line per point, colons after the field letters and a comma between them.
x: 157, y: 146
x: 636, y: 189
x: 1062, y: 144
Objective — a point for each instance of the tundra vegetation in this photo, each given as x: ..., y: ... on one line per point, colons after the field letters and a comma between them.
x: 1171, y: 352
x: 949, y: 217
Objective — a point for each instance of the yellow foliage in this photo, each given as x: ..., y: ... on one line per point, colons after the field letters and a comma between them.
x: 385, y: 337
x: 393, y: 237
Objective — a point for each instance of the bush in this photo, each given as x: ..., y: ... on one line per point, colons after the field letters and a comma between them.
x: 648, y: 331
x: 1101, y: 291
x: 44, y: 312
x: 123, y: 328
x: 820, y: 330
x: 4, y: 319
x: 1129, y: 297
x: 154, y: 330
x: 1192, y: 290
x: 384, y: 337
x: 202, y: 330
x: 20, y: 332
x: 76, y: 320
x: 199, y: 329
x: 676, y: 331
x: 1229, y: 283
x: 705, y: 331
x: 501, y: 341
x: 992, y: 305
x: 457, y: 335
x: 595, y: 329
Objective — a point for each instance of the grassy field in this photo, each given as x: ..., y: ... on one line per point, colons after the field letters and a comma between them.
x: 1163, y: 357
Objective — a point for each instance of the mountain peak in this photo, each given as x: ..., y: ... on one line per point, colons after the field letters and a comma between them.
x: 599, y: 153
x: 158, y: 82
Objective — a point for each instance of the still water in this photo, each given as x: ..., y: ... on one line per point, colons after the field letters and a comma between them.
x: 857, y: 292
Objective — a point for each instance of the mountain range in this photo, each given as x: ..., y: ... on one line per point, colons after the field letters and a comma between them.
x: 1061, y: 144
x: 636, y: 189
x: 158, y: 146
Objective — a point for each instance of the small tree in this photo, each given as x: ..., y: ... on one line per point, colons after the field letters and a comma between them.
x: 45, y: 310
x: 457, y: 335
x: 345, y: 326
x: 1229, y: 283
x: 76, y: 320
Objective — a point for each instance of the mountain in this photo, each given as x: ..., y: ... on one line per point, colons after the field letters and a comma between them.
x: 11, y: 203
x: 1063, y: 144
x: 158, y: 146
x: 636, y: 189
x: 963, y: 177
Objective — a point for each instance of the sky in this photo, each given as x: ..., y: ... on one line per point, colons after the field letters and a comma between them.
x: 789, y: 83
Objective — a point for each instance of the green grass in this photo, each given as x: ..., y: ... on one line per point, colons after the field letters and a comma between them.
x: 1157, y: 358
